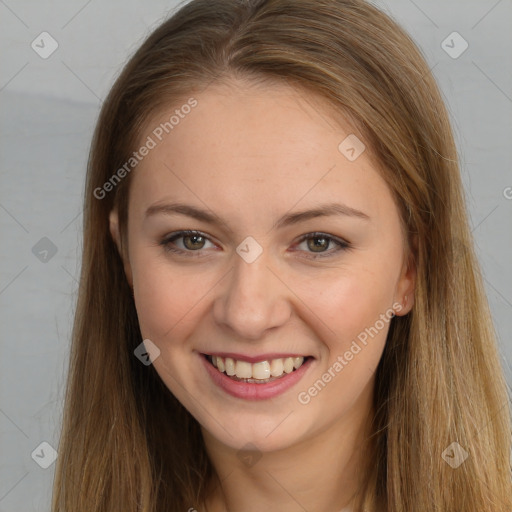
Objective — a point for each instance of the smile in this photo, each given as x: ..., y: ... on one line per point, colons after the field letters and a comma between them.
x: 262, y: 378
x: 256, y: 373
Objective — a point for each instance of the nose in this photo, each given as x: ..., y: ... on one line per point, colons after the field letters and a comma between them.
x: 253, y: 299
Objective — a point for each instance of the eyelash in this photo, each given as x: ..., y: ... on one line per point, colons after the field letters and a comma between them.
x: 342, y: 244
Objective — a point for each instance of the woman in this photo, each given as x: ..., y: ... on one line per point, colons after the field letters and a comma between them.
x: 280, y: 307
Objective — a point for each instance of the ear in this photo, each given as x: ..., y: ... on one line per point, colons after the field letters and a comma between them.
x: 404, y: 295
x: 116, y: 236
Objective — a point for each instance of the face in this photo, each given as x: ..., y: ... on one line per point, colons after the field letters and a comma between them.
x: 270, y: 321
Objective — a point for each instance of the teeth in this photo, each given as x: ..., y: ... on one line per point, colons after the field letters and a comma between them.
x: 288, y: 365
x: 297, y: 362
x: 276, y: 367
x: 243, y: 370
x: 262, y: 370
x: 230, y: 366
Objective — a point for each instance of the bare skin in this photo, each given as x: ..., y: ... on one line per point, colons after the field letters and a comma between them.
x: 251, y: 154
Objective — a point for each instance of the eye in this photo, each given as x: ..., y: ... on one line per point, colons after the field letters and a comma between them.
x: 317, y: 244
x: 190, y: 241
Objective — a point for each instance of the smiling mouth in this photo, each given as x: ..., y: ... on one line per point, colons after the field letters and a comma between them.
x: 256, y: 373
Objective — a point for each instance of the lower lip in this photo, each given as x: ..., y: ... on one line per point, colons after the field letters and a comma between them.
x: 251, y: 391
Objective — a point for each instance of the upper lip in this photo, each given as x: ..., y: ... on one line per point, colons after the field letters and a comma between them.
x: 256, y: 358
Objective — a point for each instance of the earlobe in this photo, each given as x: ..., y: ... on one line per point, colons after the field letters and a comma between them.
x: 114, y: 229
x: 116, y: 236
x: 406, y: 286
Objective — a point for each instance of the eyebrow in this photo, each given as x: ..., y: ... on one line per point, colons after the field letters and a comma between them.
x: 286, y: 220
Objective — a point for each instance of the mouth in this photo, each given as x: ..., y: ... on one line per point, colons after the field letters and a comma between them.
x: 260, y: 372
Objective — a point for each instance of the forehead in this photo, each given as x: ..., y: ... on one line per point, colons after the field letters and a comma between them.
x: 244, y: 145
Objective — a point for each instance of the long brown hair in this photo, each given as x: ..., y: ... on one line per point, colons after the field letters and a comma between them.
x: 127, y: 444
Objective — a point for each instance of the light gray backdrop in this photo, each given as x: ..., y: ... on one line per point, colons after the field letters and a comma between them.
x: 49, y: 104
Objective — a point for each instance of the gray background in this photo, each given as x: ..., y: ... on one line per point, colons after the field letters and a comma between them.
x: 48, y: 111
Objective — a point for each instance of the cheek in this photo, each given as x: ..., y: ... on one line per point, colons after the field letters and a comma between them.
x: 356, y: 307
x: 162, y: 297
x: 349, y: 300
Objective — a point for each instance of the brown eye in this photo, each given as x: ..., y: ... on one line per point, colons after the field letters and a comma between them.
x: 188, y: 243
x: 193, y: 242
x: 318, y: 244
